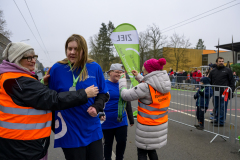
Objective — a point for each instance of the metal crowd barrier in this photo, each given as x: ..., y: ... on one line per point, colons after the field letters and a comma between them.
x: 184, y: 79
x: 183, y: 110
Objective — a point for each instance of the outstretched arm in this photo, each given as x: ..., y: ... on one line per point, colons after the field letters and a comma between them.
x: 137, y: 92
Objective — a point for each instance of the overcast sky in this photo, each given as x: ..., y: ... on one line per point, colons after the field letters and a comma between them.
x: 58, y: 19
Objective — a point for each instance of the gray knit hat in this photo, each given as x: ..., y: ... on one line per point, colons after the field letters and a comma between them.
x: 116, y: 66
x: 15, y: 50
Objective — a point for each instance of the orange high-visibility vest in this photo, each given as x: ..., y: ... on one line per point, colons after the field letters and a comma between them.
x: 18, y: 122
x: 155, y: 113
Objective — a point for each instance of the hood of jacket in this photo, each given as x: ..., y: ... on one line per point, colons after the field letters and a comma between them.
x: 159, y: 80
x: 12, y: 67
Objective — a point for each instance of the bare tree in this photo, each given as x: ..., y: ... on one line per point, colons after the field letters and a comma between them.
x: 3, y: 25
x: 178, y: 46
x: 94, y: 48
x: 143, y: 46
x: 157, y: 41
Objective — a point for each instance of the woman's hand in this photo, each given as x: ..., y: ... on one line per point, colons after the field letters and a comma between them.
x: 135, y: 73
x: 91, y: 91
x: 92, y: 111
x: 131, y: 125
x: 123, y: 75
x: 47, y: 75
x: 103, y: 118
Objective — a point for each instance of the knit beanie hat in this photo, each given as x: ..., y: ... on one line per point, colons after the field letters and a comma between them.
x: 15, y: 50
x: 205, y: 80
x: 154, y: 64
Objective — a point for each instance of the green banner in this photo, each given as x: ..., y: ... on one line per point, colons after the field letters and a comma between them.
x: 126, y: 41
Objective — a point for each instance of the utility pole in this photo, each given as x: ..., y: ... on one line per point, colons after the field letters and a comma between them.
x: 233, y: 51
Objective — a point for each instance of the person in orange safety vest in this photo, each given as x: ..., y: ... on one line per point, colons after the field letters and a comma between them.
x: 153, y: 95
x: 26, y: 105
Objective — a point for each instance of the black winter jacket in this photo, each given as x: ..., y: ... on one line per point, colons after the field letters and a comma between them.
x: 28, y: 92
x: 222, y: 76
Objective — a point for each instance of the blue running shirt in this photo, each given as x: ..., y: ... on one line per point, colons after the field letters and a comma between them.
x: 74, y: 127
x: 111, y: 108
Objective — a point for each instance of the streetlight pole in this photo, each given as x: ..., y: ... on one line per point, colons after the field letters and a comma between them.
x: 24, y: 40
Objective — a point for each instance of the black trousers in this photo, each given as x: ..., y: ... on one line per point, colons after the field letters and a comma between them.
x: 120, y: 135
x: 200, y: 114
x: 142, y: 154
x: 94, y: 151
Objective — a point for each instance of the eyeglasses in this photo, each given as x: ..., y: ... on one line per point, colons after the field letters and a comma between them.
x: 29, y: 58
x: 118, y: 72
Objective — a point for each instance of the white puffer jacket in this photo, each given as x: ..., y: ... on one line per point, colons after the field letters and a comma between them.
x: 148, y: 137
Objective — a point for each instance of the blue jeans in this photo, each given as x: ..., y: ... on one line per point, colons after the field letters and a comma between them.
x: 173, y: 81
x: 222, y: 109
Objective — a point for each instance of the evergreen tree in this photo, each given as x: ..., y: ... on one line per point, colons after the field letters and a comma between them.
x: 101, y: 47
x: 200, y: 44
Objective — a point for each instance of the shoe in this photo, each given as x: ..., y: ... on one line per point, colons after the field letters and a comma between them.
x: 218, y: 125
x: 200, y: 128
x: 211, y: 113
x: 196, y: 125
x: 213, y: 121
x: 212, y: 118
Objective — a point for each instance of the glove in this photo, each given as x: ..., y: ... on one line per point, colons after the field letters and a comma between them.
x: 201, y: 93
x: 195, y: 96
x: 101, y: 114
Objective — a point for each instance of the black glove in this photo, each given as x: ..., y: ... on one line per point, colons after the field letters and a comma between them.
x: 101, y: 114
x: 195, y: 96
x: 201, y: 93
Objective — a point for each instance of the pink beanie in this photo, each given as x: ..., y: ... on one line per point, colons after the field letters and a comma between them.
x: 154, y: 65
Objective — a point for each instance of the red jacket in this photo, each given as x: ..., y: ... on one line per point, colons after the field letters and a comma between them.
x: 194, y: 75
x: 198, y: 77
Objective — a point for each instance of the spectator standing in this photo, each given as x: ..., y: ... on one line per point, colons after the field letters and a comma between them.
x: 112, y: 126
x: 210, y: 64
x: 203, y: 96
x: 179, y: 77
x: 184, y: 74
x: 172, y: 78
x: 207, y: 72
x: 198, y: 77
x: 188, y: 78
x: 236, y: 78
x: 194, y: 76
x: 221, y: 76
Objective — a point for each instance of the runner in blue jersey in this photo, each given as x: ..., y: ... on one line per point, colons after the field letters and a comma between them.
x: 78, y: 131
x: 115, y: 125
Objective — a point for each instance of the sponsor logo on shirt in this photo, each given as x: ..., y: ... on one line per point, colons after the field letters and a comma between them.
x: 91, y: 76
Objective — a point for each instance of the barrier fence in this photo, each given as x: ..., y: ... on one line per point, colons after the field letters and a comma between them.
x: 188, y: 80
x: 183, y: 109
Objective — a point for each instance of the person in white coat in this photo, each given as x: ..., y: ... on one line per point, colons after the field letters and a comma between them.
x: 153, y: 95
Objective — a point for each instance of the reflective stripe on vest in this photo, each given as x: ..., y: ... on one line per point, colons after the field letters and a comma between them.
x: 25, y: 126
x: 152, y: 116
x: 151, y: 108
x: 22, y: 111
x: 155, y: 113
x: 18, y: 122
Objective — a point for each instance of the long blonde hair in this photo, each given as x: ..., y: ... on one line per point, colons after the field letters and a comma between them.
x: 82, y: 46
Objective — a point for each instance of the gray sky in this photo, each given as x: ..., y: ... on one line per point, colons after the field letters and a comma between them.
x: 58, y: 19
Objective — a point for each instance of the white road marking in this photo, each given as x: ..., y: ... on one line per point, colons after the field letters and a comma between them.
x: 195, y: 108
x: 113, y: 155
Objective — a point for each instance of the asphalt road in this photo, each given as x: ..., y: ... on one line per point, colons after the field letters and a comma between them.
x: 184, y: 142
